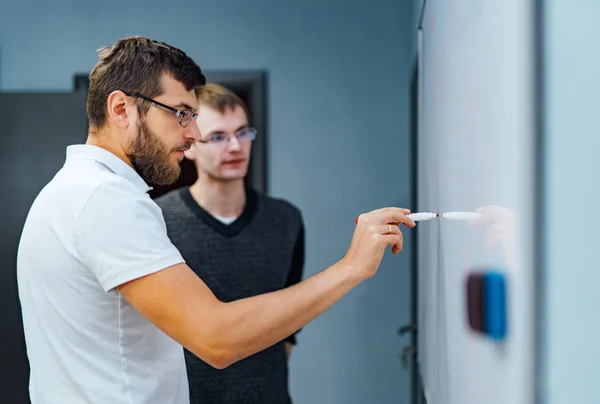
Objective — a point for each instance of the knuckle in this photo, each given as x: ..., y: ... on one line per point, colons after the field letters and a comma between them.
x: 365, y: 218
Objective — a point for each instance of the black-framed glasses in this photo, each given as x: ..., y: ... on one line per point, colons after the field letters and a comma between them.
x: 242, y: 135
x: 185, y: 116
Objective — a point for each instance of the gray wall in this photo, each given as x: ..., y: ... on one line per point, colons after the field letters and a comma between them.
x: 570, y: 354
x: 339, y: 77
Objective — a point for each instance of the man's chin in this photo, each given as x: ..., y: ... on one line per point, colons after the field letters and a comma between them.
x: 230, y: 177
x: 167, y: 177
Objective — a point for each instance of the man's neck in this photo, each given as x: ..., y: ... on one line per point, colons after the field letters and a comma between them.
x: 100, y: 140
x: 222, y: 199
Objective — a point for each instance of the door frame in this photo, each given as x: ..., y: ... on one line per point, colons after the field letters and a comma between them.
x: 418, y: 392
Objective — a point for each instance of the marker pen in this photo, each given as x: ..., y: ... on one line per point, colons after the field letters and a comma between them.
x: 417, y: 217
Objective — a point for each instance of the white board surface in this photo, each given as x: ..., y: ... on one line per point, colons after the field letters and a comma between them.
x: 476, y: 152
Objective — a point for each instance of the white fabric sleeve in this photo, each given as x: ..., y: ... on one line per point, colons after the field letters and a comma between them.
x: 120, y: 235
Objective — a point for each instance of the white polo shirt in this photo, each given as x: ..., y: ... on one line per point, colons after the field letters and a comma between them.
x: 92, y: 228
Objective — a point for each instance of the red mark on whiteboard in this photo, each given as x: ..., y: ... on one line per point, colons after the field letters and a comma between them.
x: 432, y: 22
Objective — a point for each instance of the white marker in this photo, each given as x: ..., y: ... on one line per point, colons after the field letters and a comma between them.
x: 417, y: 217
x: 461, y: 215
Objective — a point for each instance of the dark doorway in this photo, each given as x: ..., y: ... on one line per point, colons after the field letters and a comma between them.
x: 33, y: 141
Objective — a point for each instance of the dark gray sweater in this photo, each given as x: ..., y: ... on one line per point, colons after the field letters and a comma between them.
x: 262, y: 251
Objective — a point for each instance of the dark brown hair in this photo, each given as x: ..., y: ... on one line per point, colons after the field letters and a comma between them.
x: 136, y: 64
x: 220, y: 98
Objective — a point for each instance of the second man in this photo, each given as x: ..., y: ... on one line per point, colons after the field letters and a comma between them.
x: 241, y: 242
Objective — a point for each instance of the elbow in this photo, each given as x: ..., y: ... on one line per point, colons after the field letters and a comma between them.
x: 217, y: 353
x: 219, y: 360
x: 219, y: 344
x: 219, y: 365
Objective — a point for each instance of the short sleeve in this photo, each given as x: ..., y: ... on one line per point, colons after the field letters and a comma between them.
x: 120, y: 235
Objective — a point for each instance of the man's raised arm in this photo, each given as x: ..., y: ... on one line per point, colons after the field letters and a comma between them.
x: 178, y: 302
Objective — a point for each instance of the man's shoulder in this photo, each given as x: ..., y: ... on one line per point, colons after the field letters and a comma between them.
x: 77, y: 185
x: 279, y: 204
x: 92, y: 175
x: 170, y: 199
x: 93, y: 192
x: 175, y: 210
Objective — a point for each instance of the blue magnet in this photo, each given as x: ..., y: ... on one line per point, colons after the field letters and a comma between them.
x: 494, y: 305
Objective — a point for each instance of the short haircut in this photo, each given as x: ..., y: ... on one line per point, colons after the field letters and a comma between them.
x: 136, y: 64
x: 220, y: 98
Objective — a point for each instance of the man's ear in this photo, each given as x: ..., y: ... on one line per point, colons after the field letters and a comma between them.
x: 119, y: 110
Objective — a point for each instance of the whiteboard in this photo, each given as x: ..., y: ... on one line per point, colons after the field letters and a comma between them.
x: 476, y: 148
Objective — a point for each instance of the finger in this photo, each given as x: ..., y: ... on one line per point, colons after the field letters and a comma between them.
x: 395, y: 240
x: 390, y: 228
x: 378, y: 212
x: 397, y: 215
x: 392, y: 209
x: 387, y: 211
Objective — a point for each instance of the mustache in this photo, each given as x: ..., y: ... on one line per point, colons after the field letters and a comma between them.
x: 185, y: 146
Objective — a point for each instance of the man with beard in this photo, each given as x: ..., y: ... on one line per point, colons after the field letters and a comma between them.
x: 240, y: 242
x: 107, y: 300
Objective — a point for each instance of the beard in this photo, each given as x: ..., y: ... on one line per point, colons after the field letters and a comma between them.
x: 151, y: 158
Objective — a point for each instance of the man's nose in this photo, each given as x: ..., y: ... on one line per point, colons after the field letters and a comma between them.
x: 234, y: 143
x: 193, y: 131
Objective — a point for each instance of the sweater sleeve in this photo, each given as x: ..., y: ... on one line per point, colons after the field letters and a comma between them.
x: 296, y: 270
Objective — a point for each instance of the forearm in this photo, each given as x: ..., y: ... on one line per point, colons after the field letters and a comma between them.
x: 253, y: 324
x: 178, y: 302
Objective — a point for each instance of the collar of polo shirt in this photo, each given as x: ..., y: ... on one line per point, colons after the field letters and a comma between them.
x: 111, y: 161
